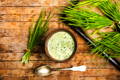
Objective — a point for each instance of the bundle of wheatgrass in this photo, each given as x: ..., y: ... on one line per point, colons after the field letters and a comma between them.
x: 36, y: 32
x: 79, y: 16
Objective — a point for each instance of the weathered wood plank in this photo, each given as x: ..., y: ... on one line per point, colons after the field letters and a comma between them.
x: 33, y: 3
x: 91, y: 61
x: 13, y: 30
x: 89, y: 72
x: 20, y: 47
x: 60, y: 78
x: 42, y: 56
x: 6, y: 32
x: 18, y: 11
x: 13, y: 65
x: 23, y: 17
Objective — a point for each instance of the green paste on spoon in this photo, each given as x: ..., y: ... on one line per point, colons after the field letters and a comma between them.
x: 61, y: 45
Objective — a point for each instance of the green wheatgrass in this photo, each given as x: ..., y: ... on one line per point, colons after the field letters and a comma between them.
x: 61, y: 45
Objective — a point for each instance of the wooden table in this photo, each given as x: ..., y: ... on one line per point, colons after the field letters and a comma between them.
x: 15, y: 19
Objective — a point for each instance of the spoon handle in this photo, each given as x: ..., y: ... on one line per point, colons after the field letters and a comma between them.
x: 78, y: 68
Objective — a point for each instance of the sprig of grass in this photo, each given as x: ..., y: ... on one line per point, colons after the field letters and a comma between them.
x: 36, y: 32
x: 109, y: 44
x: 110, y: 9
x: 89, y: 2
x: 85, y: 18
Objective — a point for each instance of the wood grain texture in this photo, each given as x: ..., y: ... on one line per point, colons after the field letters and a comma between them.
x: 16, y: 18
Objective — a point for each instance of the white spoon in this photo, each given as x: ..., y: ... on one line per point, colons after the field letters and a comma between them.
x: 46, y: 70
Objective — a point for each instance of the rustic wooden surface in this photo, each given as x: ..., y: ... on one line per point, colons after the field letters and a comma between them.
x: 15, y: 19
